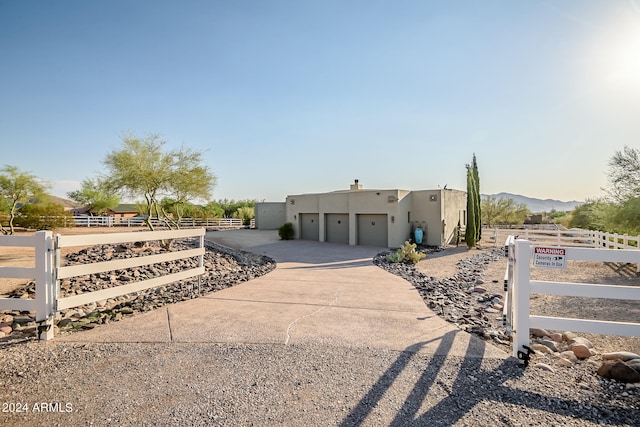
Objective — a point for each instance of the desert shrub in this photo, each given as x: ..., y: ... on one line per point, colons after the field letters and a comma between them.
x: 406, y: 253
x: 286, y: 231
x: 43, y: 216
x: 246, y: 213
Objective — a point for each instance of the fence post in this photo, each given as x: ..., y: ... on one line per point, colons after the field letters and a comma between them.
x: 200, y: 262
x: 521, y: 295
x: 44, y: 284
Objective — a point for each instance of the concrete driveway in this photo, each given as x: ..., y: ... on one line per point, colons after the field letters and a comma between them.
x: 320, y: 293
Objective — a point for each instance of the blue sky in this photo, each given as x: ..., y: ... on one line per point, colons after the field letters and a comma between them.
x: 289, y: 97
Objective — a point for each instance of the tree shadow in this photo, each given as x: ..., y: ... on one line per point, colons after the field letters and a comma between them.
x: 461, y: 400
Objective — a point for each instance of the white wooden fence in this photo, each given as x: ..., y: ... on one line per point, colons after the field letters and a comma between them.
x: 519, y: 286
x: 48, y: 272
x: 562, y: 237
x: 110, y: 221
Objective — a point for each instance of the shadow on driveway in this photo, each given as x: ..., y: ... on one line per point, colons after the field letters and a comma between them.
x: 464, y: 394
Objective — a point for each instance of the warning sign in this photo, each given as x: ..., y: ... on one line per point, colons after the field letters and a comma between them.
x: 550, y: 258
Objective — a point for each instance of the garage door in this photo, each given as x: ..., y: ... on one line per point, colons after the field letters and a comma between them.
x: 337, y: 228
x: 310, y: 226
x: 372, y: 230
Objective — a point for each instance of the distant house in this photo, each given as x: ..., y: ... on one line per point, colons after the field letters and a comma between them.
x: 533, y: 219
x: 123, y: 211
x: 383, y: 218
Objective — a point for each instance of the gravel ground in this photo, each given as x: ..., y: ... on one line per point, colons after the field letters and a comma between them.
x: 262, y: 385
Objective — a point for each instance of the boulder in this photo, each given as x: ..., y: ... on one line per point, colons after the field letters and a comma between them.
x: 557, y: 337
x: 581, y: 351
x: 581, y: 340
x: 552, y: 345
x: 541, y: 348
x: 620, y: 355
x: 634, y: 363
x: 539, y: 332
x: 619, y: 371
x: 565, y: 362
x: 570, y: 355
x: 543, y: 366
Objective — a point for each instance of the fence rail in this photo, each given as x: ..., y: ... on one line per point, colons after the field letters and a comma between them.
x: 573, y: 237
x: 519, y: 286
x: 111, y: 221
x: 48, y: 270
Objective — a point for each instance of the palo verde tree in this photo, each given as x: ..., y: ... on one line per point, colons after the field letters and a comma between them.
x: 18, y: 187
x: 97, y: 195
x: 189, y: 180
x: 504, y: 211
x: 140, y: 168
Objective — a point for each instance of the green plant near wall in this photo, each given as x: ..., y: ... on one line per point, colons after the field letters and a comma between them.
x: 286, y: 231
x: 471, y: 232
x: 406, y: 253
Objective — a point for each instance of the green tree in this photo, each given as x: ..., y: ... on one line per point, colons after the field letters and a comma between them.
x: 96, y: 195
x: 503, y: 211
x: 189, y: 180
x: 18, y: 187
x: 246, y: 213
x: 626, y: 217
x: 624, y: 175
x: 213, y: 210
x: 476, y: 195
x: 141, y: 168
x: 592, y: 215
x: 230, y: 207
x: 43, y: 216
x: 471, y: 231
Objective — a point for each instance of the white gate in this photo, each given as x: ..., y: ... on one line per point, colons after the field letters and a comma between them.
x: 519, y: 286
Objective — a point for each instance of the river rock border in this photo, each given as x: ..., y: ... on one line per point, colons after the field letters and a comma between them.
x: 224, y: 267
x: 460, y: 299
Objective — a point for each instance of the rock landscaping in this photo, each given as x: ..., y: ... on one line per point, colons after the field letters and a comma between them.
x: 223, y: 268
x: 463, y: 299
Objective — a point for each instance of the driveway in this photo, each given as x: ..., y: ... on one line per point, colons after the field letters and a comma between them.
x: 320, y: 293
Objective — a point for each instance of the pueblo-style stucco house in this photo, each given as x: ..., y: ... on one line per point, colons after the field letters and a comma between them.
x: 358, y: 216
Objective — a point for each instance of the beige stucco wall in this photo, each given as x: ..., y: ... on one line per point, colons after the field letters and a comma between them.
x: 455, y: 209
x: 270, y: 215
x: 437, y: 212
x: 393, y: 203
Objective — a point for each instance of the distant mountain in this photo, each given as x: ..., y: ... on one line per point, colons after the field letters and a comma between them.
x: 538, y: 205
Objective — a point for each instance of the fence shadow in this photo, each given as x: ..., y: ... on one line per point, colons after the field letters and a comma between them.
x: 460, y: 400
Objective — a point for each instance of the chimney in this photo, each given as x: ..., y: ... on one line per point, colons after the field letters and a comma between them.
x: 356, y: 186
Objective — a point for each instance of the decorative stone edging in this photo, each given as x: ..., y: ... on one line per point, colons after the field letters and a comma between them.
x: 461, y: 299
